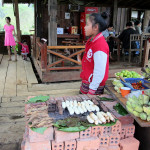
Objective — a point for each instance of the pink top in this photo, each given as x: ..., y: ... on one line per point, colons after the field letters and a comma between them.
x: 25, y: 48
x: 9, y: 39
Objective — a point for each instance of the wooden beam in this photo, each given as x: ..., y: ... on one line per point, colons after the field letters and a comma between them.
x: 64, y: 68
x: 17, y: 19
x: 66, y: 47
x: 115, y: 13
x: 64, y: 57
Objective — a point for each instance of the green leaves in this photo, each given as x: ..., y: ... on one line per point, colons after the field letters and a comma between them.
x: 73, y: 129
x: 77, y: 125
x: 120, y: 109
x: 38, y: 99
x: 39, y: 130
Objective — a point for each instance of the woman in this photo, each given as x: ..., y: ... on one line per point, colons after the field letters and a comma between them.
x: 9, y: 39
x: 95, y: 62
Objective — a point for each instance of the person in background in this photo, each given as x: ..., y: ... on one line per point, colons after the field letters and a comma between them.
x: 138, y: 27
x: 125, y: 36
x: 25, y: 49
x: 9, y: 39
x: 95, y: 62
x: 109, y: 37
x: 147, y: 30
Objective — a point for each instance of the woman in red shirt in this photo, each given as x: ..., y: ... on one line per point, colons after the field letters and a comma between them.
x: 95, y: 62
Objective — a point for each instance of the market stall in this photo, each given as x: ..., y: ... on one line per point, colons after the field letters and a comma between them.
x: 135, y: 101
x: 82, y: 122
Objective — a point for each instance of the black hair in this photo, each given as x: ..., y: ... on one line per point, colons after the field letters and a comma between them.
x: 23, y: 41
x: 8, y: 18
x: 99, y: 19
x: 129, y: 24
x: 110, y: 25
x: 137, y: 22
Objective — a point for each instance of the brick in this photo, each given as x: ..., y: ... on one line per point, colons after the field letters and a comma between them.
x: 130, y: 129
x: 113, y: 148
x: 84, y: 97
x: 105, y: 130
x: 70, y: 145
x: 116, y: 128
x: 86, y: 134
x: 129, y: 144
x: 103, y: 148
x: 91, y: 143
x: 57, y: 145
x: 61, y: 136
x: 45, y: 145
x: 37, y: 137
x: 104, y: 140
x: 114, y: 139
x: 96, y: 131
x: 123, y: 132
x: 26, y: 145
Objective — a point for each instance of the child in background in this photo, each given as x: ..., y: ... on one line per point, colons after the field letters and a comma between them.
x: 95, y: 62
x: 25, y: 49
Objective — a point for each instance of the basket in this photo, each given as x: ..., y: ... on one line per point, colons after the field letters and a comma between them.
x: 135, y: 80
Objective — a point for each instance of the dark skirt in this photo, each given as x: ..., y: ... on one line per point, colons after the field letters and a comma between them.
x: 85, y: 88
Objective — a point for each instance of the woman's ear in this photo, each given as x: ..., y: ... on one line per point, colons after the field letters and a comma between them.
x: 96, y: 27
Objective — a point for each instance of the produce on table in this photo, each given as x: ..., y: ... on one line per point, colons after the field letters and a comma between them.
x: 128, y: 74
x: 118, y: 85
x: 118, y: 107
x: 137, y: 86
x: 100, y: 118
x: 77, y: 108
x: 37, y: 116
x: 146, y: 73
x: 139, y: 106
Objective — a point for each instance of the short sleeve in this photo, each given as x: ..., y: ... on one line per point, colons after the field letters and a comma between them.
x: 5, y: 26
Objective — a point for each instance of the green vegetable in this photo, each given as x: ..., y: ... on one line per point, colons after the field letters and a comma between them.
x: 38, y: 99
x: 39, y: 130
x: 143, y: 116
x: 105, y: 99
x: 118, y: 107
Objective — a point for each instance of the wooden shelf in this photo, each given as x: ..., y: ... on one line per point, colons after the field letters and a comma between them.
x: 123, y: 101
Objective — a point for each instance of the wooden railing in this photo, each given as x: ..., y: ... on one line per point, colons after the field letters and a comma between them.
x: 43, y: 50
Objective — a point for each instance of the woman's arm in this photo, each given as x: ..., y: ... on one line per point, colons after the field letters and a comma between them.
x: 15, y: 33
x: 100, y: 61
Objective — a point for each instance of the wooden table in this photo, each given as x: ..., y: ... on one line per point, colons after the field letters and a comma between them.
x: 123, y: 101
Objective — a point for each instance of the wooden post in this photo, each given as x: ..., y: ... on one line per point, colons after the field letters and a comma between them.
x: 52, y: 24
x: 146, y: 19
x: 115, y: 13
x: 17, y: 20
x: 34, y: 37
x: 146, y: 53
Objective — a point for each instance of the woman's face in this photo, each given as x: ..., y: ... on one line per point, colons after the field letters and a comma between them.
x: 7, y: 21
x: 88, y: 28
